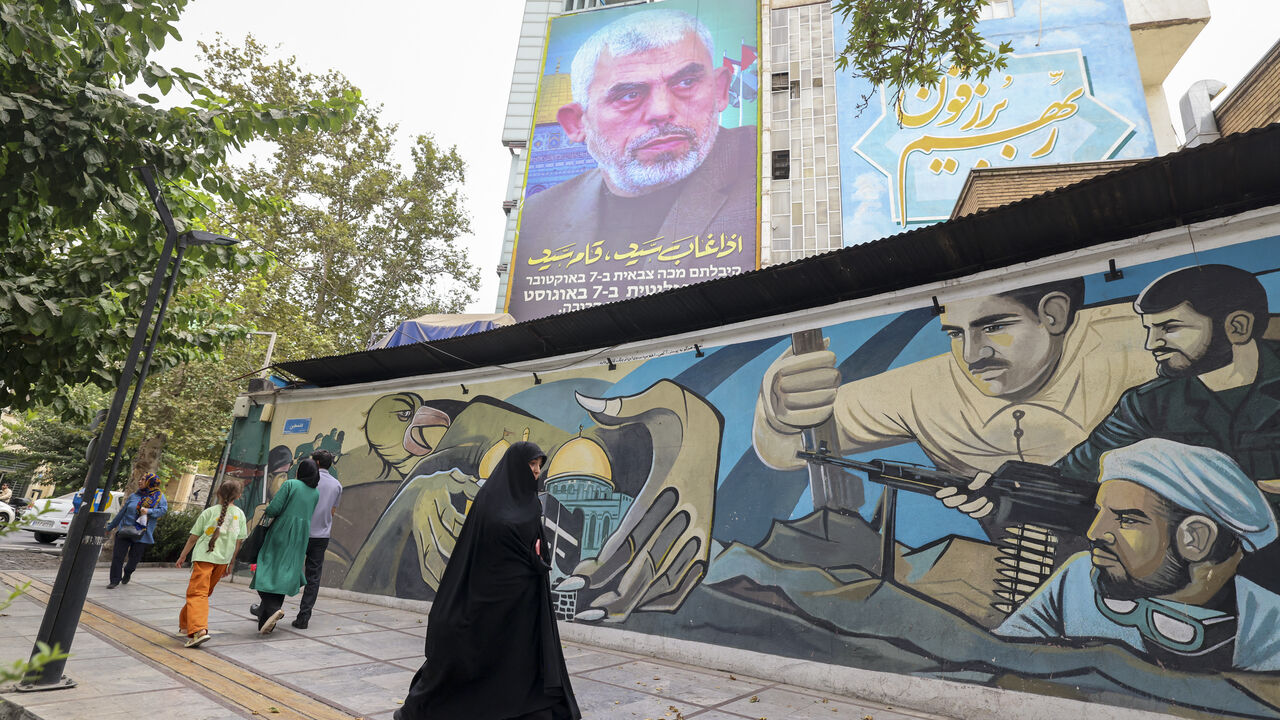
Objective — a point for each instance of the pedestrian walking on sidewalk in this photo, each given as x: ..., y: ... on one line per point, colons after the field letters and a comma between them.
x: 284, y: 552
x: 134, y: 527
x: 215, y: 538
x: 493, y: 648
x: 321, y: 526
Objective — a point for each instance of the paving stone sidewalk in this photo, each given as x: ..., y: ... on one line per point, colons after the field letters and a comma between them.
x: 359, y: 658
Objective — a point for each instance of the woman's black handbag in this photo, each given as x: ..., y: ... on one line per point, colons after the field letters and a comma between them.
x: 129, y: 530
x: 253, y: 544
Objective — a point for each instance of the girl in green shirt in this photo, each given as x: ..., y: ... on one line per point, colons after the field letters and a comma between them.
x: 215, y: 536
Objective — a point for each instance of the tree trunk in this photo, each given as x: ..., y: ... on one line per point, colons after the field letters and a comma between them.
x: 146, y: 460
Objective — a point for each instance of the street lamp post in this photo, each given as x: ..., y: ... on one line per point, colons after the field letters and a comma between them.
x: 85, y: 535
x: 186, y: 240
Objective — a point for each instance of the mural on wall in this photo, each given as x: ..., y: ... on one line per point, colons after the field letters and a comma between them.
x: 1066, y: 488
x: 1071, y: 93
x: 642, y: 161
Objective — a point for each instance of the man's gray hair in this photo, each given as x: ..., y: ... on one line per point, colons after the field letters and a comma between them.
x: 635, y: 33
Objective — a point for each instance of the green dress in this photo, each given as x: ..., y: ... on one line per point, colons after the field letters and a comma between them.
x: 284, y: 553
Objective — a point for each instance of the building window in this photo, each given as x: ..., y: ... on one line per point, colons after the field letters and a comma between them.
x: 795, y: 89
x: 780, y: 81
x: 781, y: 164
x: 996, y: 10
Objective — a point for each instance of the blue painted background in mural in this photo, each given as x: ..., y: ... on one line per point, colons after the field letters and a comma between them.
x: 1071, y: 93
x: 676, y: 503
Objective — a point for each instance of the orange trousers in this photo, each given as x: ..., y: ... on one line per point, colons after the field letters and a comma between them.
x: 195, y: 614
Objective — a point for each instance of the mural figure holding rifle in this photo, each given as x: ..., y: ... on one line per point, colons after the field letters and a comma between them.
x: 1014, y: 387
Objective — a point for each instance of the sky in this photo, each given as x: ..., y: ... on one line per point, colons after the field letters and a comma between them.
x: 445, y: 68
x: 436, y: 67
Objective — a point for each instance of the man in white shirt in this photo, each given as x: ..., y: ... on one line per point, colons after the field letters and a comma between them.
x: 1029, y: 375
x: 321, y: 525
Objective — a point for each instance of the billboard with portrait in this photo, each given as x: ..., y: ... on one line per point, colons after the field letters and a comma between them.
x: 642, y: 171
x: 1072, y: 92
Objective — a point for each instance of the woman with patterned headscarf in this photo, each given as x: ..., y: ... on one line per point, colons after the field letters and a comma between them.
x: 134, y: 526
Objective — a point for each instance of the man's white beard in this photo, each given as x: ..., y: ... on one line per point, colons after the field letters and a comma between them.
x: 629, y: 175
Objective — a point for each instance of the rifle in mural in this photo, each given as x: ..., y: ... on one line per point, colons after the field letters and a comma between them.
x: 1023, y: 492
x: 1032, y: 503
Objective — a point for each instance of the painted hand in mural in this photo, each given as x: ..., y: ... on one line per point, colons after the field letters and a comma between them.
x: 437, y: 521
x: 971, y: 503
x: 799, y: 391
x: 659, y: 552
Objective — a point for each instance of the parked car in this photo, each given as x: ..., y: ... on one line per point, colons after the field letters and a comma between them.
x: 7, y: 513
x: 50, y: 519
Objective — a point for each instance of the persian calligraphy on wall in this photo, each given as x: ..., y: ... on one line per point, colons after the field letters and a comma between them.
x: 1071, y: 93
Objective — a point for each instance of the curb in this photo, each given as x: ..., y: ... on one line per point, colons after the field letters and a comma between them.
x: 39, y: 550
x: 10, y: 710
x: 930, y: 695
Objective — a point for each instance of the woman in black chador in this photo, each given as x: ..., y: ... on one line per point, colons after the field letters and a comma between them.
x: 493, y: 649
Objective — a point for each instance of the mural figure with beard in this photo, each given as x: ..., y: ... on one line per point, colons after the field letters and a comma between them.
x: 657, y: 502
x: 279, y: 465
x: 1011, y: 389
x: 1030, y: 372
x: 1219, y: 383
x: 1173, y: 523
x: 646, y: 100
x: 1218, y: 386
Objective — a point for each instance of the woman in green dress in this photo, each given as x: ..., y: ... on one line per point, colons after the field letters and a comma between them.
x: 284, y: 552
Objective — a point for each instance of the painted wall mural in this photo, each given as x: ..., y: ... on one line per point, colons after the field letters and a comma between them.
x: 1071, y: 93
x: 1068, y: 488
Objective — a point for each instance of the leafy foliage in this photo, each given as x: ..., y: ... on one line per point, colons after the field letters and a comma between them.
x: 78, y: 236
x: 52, y: 445
x: 29, y: 667
x: 361, y: 243
x: 385, y: 240
x: 897, y: 44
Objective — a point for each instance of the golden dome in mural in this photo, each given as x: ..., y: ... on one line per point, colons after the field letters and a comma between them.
x: 491, y: 458
x: 581, y: 457
x: 554, y: 92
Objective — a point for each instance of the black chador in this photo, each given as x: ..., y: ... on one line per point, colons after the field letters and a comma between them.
x: 493, y: 649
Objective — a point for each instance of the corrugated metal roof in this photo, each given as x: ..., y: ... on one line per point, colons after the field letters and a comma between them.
x: 1235, y: 174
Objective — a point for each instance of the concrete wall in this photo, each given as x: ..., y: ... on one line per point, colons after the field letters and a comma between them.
x: 677, y: 509
x: 801, y: 214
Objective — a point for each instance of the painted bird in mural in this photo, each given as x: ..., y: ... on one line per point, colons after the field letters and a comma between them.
x: 401, y: 429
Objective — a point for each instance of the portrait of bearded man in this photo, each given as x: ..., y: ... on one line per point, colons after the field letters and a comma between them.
x: 647, y: 97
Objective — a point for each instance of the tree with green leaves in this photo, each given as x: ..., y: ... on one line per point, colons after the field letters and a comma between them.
x: 896, y: 44
x: 79, y: 238
x: 352, y: 245
x: 51, y: 444
x: 361, y: 243
x: 51, y: 449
